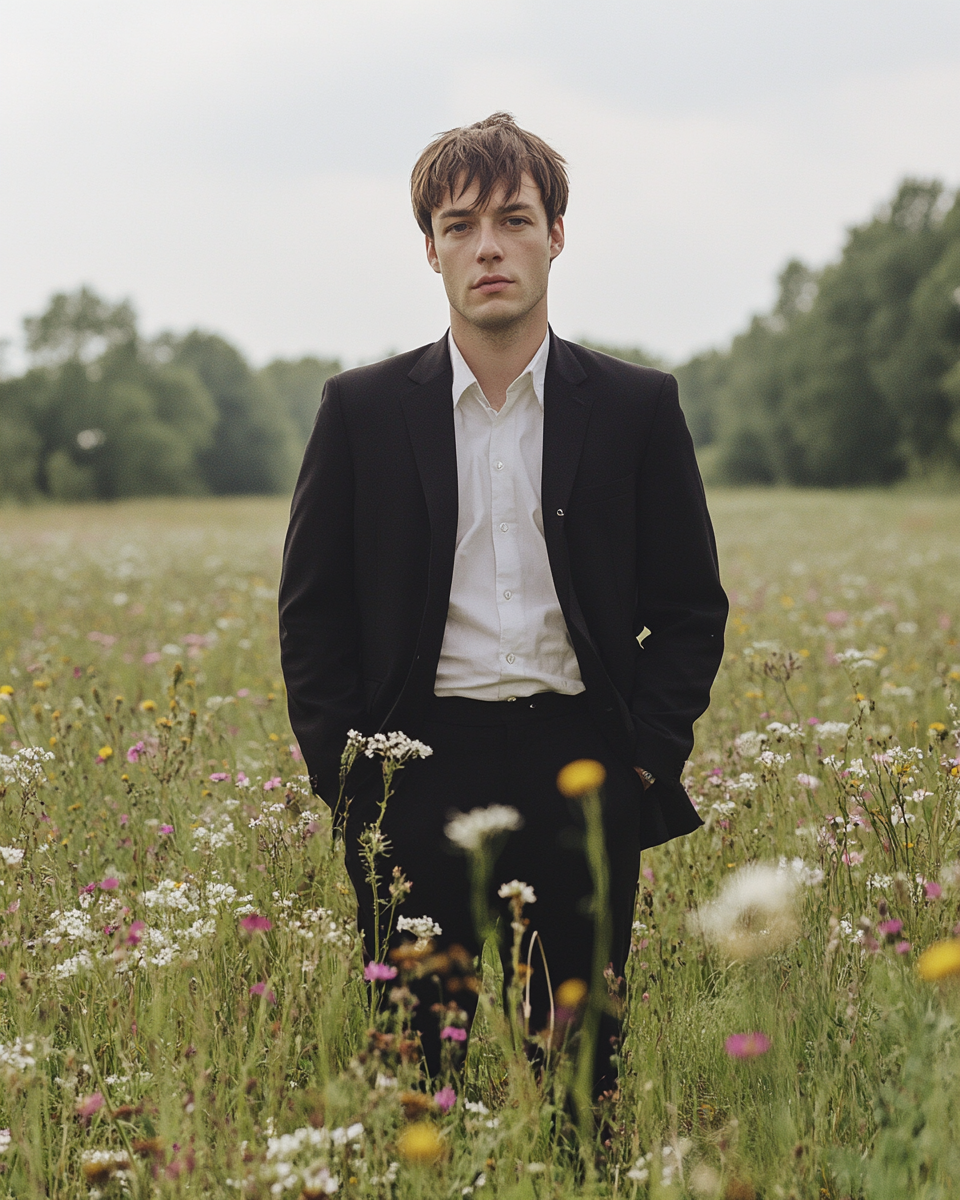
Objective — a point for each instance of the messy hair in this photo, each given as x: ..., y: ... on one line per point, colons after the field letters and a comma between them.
x: 493, y: 153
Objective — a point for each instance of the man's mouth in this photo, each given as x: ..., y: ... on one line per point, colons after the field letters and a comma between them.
x: 489, y: 284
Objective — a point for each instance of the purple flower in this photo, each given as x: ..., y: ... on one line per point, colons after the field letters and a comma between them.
x: 445, y: 1099
x: 220, y: 777
x: 135, y: 933
x: 110, y: 884
x: 902, y: 947
x: 932, y: 891
x: 241, y: 778
x: 259, y: 989
x: 375, y: 972
x: 254, y: 923
x: 747, y: 1045
x: 87, y: 888
x: 272, y: 783
x: 889, y: 928
x: 133, y: 754
x: 165, y: 829
x: 453, y: 1033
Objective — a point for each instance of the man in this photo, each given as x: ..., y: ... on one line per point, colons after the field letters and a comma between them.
x: 483, y: 531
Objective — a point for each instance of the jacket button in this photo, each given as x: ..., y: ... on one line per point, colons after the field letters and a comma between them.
x: 559, y: 512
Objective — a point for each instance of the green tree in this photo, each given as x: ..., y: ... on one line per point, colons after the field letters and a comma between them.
x: 298, y: 383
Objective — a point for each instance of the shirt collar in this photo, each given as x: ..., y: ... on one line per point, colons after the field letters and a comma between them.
x: 463, y: 377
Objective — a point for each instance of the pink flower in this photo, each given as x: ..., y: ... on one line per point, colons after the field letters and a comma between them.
x: 3, y: 976
x: 747, y: 1045
x: 295, y: 754
x: 87, y: 888
x: 445, y: 1099
x: 88, y: 1105
x: 889, y: 928
x: 135, y: 933
x: 109, y: 884
x: 272, y: 783
x: 453, y: 1033
x: 243, y: 693
x: 648, y: 875
x: 813, y: 720
x: 259, y: 989
x: 254, y: 923
x: 13, y: 907
x: 902, y: 947
x: 165, y: 829
x: 932, y: 891
x: 153, y: 657
x: 852, y: 858
x: 133, y: 754
x: 220, y: 777
x: 241, y: 778
x: 836, y: 619
x: 77, y: 672
x: 124, y: 818
x: 375, y: 972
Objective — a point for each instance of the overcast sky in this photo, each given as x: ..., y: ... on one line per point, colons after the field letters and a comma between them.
x: 242, y: 165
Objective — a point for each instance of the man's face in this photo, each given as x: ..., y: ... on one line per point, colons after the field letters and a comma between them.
x: 495, y: 260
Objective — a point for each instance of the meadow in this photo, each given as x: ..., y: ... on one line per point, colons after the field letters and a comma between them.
x: 183, y: 1009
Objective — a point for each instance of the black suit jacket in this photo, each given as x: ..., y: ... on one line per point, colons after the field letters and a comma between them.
x: 369, y: 559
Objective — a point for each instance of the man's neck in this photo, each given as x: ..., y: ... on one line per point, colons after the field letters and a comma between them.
x: 496, y: 357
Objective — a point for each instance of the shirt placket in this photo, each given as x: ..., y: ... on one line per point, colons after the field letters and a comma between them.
x: 504, y: 464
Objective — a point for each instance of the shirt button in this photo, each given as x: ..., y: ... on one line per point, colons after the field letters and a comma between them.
x: 504, y: 527
x: 511, y: 658
x: 507, y: 595
x: 499, y: 466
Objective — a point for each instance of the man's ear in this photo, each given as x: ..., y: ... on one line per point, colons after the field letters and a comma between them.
x: 432, y: 258
x: 556, y: 238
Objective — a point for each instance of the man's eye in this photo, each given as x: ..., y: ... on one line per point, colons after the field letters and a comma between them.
x: 458, y: 228
x: 515, y: 221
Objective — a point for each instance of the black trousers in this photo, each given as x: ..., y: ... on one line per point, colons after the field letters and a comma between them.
x: 506, y: 752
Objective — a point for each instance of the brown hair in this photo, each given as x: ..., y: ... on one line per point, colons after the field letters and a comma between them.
x: 492, y: 153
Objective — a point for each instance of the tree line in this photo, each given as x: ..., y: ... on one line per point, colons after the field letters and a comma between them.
x: 105, y: 413
x: 853, y: 378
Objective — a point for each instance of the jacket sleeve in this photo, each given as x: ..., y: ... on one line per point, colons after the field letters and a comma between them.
x: 319, y: 630
x: 679, y: 599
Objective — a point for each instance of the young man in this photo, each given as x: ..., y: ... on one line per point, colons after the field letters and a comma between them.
x: 483, y: 531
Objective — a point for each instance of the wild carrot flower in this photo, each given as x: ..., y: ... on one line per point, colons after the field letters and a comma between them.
x: 470, y: 830
x: 579, y: 777
x: 747, y: 1045
x: 515, y: 890
x: 254, y: 923
x: 445, y: 1099
x: 377, y: 972
x: 422, y: 928
x: 753, y: 913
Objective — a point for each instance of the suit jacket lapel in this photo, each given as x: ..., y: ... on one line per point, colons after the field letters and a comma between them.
x: 566, y: 414
x: 428, y: 411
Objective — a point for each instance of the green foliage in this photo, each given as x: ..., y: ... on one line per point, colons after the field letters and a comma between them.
x: 849, y: 380
x: 104, y: 414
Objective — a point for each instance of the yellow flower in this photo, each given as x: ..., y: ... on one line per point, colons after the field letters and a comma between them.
x: 571, y: 993
x: 578, y: 778
x: 940, y: 960
x: 420, y: 1143
x: 937, y: 727
x: 105, y: 752
x: 6, y: 690
x: 148, y: 705
x: 3, y: 719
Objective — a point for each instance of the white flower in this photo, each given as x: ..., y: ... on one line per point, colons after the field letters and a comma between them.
x: 523, y: 891
x: 769, y: 758
x: 6, y: 1140
x: 783, y: 732
x: 858, y: 658
x: 25, y: 767
x: 750, y: 743
x: 422, y: 928
x: 20, y: 1056
x: 831, y: 729
x: 395, y: 747
x: 470, y: 830
x: 745, y: 783
x: 753, y: 913
x: 476, y: 1106
x: 12, y: 855
x: 808, y: 781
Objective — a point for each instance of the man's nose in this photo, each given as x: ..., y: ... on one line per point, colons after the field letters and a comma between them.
x: 488, y: 247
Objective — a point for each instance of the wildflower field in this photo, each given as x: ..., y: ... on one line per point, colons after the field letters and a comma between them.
x: 183, y: 1001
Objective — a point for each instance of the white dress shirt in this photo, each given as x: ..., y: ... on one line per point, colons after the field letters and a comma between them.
x: 505, y: 634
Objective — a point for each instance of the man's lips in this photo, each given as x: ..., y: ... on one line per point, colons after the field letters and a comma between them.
x: 490, y: 284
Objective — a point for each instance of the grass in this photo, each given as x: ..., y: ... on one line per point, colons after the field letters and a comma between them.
x: 154, y: 1041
